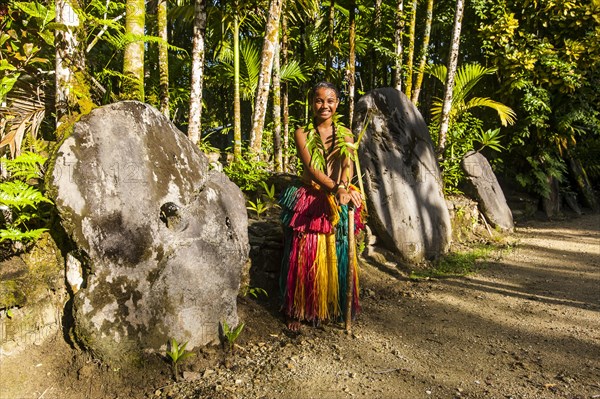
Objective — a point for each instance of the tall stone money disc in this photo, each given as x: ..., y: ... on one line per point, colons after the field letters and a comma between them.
x: 407, y: 209
x: 161, y: 239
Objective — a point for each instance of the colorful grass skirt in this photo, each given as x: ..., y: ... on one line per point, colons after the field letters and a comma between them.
x: 315, y: 259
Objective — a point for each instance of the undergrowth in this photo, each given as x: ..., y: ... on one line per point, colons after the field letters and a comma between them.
x: 454, y: 264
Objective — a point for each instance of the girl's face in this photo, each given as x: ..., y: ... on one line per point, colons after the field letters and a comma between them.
x: 324, y: 103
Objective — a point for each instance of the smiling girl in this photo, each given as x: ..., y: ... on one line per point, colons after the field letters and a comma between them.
x: 315, y: 218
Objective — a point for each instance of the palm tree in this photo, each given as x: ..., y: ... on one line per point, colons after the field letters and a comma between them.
x: 163, y: 56
x: 68, y: 53
x: 271, y: 40
x: 449, y: 81
x: 133, y: 56
x: 411, y: 48
x: 351, y: 60
x: 467, y: 77
x: 398, y: 33
x: 197, y: 77
x: 424, y: 53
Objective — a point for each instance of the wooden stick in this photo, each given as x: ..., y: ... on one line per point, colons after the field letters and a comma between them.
x: 350, y: 274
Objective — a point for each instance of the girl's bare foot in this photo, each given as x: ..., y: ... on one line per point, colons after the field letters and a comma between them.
x: 293, y: 324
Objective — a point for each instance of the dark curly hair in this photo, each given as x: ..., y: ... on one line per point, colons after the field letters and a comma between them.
x: 324, y: 85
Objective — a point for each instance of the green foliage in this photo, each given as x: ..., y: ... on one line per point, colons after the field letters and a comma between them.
x: 258, y: 206
x: 268, y: 195
x: 269, y: 191
x: 205, y: 145
x: 177, y: 354
x: 316, y: 148
x: 254, y: 291
x: 543, y: 167
x: 231, y: 335
x: 464, y: 136
x: 467, y: 77
x: 547, y: 55
x: 247, y: 172
x: 29, y: 165
x: 22, y: 201
x: 25, y: 42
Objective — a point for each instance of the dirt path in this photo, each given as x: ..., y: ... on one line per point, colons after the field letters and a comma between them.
x: 526, y: 326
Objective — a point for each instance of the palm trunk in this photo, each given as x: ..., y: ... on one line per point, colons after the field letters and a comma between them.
x: 277, y: 152
x: 284, y: 96
x: 237, y: 113
x: 424, y: 53
x: 330, y: 39
x: 373, y: 62
x: 351, y: 61
x: 452, y: 63
x: 398, y: 44
x: 67, y: 54
x: 133, y: 55
x: 264, y: 79
x: 163, y: 56
x: 198, y: 49
x: 411, y: 49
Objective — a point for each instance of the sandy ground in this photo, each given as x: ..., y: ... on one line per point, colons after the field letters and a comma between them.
x: 526, y: 325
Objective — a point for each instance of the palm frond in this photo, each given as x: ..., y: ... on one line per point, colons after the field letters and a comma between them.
x: 292, y: 71
x: 249, y: 68
x: 438, y: 71
x: 302, y: 10
x: 505, y: 113
x: 467, y: 77
x: 23, y: 114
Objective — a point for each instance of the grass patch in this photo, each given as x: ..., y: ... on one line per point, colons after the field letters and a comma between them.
x: 456, y: 264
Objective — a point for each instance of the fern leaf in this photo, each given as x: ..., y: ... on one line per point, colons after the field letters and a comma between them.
x: 17, y: 194
x: 14, y: 234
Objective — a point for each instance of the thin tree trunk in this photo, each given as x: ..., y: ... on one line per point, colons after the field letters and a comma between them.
x: 284, y: 96
x: 237, y: 113
x: 373, y: 61
x: 163, y: 56
x: 198, y: 50
x: 277, y: 152
x: 264, y: 79
x: 133, y: 54
x: 398, y: 44
x: 351, y: 61
x: 330, y: 39
x: 452, y: 63
x: 424, y: 53
x: 67, y: 53
x: 411, y: 49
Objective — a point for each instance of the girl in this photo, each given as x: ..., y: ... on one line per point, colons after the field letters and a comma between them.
x: 315, y: 218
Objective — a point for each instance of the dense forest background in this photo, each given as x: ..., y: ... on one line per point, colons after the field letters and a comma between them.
x: 517, y: 80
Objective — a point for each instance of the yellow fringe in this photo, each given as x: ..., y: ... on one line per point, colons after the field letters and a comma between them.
x: 321, y: 277
x: 334, y: 212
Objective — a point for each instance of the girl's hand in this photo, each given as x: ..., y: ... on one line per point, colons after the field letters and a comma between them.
x: 346, y: 196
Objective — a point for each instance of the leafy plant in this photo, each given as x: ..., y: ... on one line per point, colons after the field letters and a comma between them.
x: 258, y: 206
x: 467, y: 77
x: 247, y: 172
x: 231, y: 335
x: 269, y: 191
x: 543, y: 167
x: 21, y: 201
x: 254, y: 291
x: 177, y: 354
